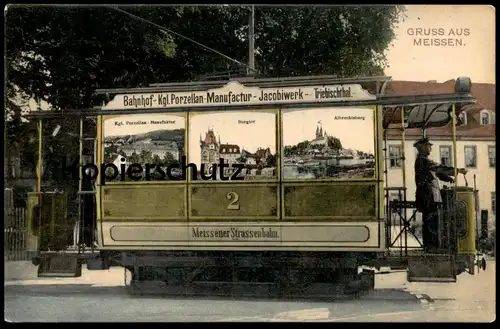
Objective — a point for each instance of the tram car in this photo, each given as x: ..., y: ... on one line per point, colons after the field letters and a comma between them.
x: 274, y: 184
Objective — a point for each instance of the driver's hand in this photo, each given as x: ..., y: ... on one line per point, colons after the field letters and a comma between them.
x: 462, y: 171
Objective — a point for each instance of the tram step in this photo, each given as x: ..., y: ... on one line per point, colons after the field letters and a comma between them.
x: 431, y: 268
x: 59, y: 265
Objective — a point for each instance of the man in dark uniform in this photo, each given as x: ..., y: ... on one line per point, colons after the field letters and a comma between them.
x: 428, y: 196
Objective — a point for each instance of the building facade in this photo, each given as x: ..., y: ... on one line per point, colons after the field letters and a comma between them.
x: 475, y: 147
x: 212, y: 150
x: 159, y: 148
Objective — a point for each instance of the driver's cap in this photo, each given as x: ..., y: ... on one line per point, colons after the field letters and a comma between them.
x: 423, y: 141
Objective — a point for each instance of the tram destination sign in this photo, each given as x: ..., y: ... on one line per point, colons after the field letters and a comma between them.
x: 235, y: 93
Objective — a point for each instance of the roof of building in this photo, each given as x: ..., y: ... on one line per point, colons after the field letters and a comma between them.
x: 229, y: 149
x: 483, y: 92
x: 210, y: 137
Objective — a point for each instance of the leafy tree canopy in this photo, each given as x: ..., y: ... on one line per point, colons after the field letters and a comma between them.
x: 62, y: 54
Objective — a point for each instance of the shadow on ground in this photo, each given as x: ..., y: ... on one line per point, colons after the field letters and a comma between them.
x: 75, y: 290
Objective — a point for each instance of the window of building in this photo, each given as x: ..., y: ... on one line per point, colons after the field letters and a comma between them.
x: 395, y: 196
x: 462, y: 119
x: 485, y: 117
x: 470, y: 156
x: 445, y: 155
x: 493, y: 203
x: 395, y: 153
x: 492, y: 156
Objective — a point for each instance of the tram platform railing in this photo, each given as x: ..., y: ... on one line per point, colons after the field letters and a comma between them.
x: 397, y: 217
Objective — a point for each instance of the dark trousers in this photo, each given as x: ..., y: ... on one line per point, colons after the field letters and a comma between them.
x: 89, y: 219
x: 431, y: 229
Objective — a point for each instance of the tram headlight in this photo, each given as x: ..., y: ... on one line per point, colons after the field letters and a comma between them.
x: 463, y: 85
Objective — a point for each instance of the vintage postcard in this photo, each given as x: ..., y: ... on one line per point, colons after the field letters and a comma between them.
x: 272, y: 163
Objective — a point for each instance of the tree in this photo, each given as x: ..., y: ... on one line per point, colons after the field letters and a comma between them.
x: 156, y: 159
x: 334, y: 143
x: 134, y: 158
x: 270, y: 161
x: 54, y: 59
x: 110, y: 153
x: 145, y: 156
x: 64, y: 54
x: 241, y: 159
x: 169, y: 159
x: 302, y: 146
x: 341, y: 40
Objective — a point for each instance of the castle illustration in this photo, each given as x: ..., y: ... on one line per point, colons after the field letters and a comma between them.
x: 321, y: 136
x: 212, y: 149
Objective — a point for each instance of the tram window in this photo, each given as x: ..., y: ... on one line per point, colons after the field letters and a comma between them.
x: 445, y: 155
x: 470, y: 156
x: 395, y: 156
x: 491, y: 156
x: 493, y: 203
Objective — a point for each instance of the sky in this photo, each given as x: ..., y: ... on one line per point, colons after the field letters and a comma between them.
x: 353, y: 133
x: 475, y: 58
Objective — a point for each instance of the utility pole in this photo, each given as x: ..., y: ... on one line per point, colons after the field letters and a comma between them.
x: 251, y: 42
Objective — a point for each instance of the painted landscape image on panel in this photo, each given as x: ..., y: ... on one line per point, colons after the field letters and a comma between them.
x: 146, y: 139
x: 245, y: 140
x: 328, y: 143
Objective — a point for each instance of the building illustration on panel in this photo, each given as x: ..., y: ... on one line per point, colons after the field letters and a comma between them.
x: 324, y: 157
x: 321, y: 137
x: 159, y: 148
x: 160, y: 145
x: 260, y: 164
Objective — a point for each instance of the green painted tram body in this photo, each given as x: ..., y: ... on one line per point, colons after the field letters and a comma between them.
x: 298, y: 214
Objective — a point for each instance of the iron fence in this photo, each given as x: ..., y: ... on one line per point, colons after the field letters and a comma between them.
x: 19, y: 244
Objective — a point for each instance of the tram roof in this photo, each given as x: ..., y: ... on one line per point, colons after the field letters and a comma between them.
x: 248, y: 82
x: 420, y: 111
x: 437, y: 112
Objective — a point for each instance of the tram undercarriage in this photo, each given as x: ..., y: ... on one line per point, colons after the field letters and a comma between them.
x: 246, y: 274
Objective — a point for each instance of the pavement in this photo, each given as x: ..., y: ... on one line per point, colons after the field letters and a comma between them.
x: 471, y: 299
x: 100, y: 296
